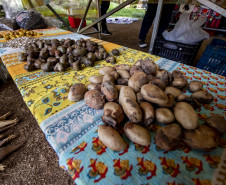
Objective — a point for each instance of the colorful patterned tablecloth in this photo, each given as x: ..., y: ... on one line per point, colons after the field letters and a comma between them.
x: 71, y: 128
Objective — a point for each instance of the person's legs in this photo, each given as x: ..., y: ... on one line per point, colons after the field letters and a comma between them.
x: 165, y: 18
x: 103, y: 8
x: 147, y: 21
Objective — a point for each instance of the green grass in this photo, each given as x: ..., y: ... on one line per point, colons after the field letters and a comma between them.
x: 127, y: 11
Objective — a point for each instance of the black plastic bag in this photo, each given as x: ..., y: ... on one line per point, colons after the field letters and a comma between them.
x: 30, y: 20
x: 8, y: 24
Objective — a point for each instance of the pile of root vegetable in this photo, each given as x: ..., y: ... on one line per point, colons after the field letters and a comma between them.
x: 146, y: 94
x: 57, y: 55
x: 4, y: 139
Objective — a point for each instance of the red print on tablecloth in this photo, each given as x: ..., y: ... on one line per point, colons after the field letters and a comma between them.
x: 186, y: 149
x: 122, y: 168
x: 208, y: 107
x: 212, y: 89
x: 97, y: 169
x: 125, y: 151
x: 221, y: 97
x: 220, y: 106
x: 213, y: 160
x: 213, y: 83
x: 221, y: 89
x: 192, y: 163
x: 201, y: 182
x: 202, y: 116
x: 197, y: 77
x: 205, y: 77
x: 142, y: 149
x: 169, y: 166
x: 79, y: 148
x: 98, y: 146
x: 146, y: 167
x: 74, y: 167
x: 213, y: 77
x: 173, y: 183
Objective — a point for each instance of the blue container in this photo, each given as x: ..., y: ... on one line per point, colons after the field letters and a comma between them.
x: 218, y: 43
x: 214, y: 59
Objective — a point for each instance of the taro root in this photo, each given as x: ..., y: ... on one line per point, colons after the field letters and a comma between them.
x: 137, y: 81
x: 186, y: 115
x: 138, y: 63
x: 202, y: 138
x: 59, y: 67
x: 91, y: 57
x: 63, y: 59
x: 149, y: 67
x: 52, y: 60
x: 69, y: 50
x: 217, y: 122
x: 115, y: 52
x: 98, y: 55
x: 105, y: 55
x: 102, y: 50
x: 33, y: 54
x: 71, y: 60
x: 96, y: 79
x: 140, y: 98
x: 47, y: 67
x: 29, y: 68
x: 87, y: 62
x: 109, y: 90
x: 79, y: 51
x: 106, y: 70
x: 168, y: 137
x: 131, y: 109
x: 165, y: 76
x: 40, y: 44
x: 202, y: 97
x: 52, y: 52
x: 77, y: 92
x: 161, y: 84
x: 93, y: 87
x: 179, y: 83
x: 108, y: 77
x: 153, y: 94
x: 164, y: 116
x: 147, y: 112
x: 44, y: 54
x: 170, y: 102
x: 38, y: 63
x: 111, y: 138
x: 91, y: 48
x: 177, y: 74
x: 119, y: 87
x: 76, y: 66
x: 123, y: 74
x: 22, y: 57
x: 94, y: 99
x: 113, y: 114
x: 68, y: 42
x: 31, y: 60
x: 126, y: 91
x: 137, y: 134
x: 135, y: 69
x: 195, y: 86
x: 122, y: 81
x: 62, y: 49
x: 173, y: 91
x: 122, y: 67
x: 184, y: 98
x: 111, y: 59
x: 114, y: 74
x: 58, y: 53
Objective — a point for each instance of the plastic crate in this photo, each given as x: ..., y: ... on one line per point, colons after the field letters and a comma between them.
x: 218, y: 43
x: 179, y: 52
x: 213, y: 60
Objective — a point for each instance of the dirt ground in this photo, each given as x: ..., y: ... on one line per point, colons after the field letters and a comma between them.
x: 36, y: 162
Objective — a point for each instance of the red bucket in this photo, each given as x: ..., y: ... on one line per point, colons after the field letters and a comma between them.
x: 74, y: 22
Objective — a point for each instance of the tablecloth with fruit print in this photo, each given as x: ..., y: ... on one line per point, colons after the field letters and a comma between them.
x: 71, y: 128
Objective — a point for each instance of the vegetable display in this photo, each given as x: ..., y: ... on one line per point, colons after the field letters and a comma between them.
x: 57, y: 55
x: 144, y: 94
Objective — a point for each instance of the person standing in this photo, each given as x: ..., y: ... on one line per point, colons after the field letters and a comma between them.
x: 149, y: 16
x: 104, y: 5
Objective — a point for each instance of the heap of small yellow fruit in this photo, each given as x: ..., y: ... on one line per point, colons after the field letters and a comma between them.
x: 8, y: 35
